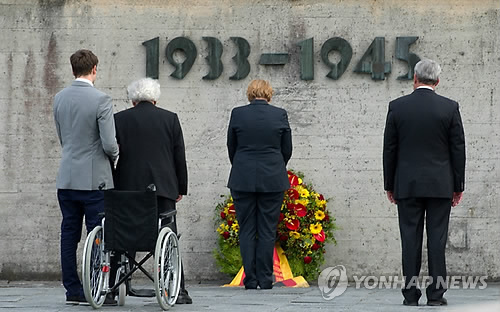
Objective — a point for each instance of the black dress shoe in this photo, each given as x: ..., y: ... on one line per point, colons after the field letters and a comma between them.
x: 269, y: 286
x: 110, y: 300
x: 75, y: 300
x: 183, y: 298
x: 410, y: 303
x: 439, y: 302
x: 251, y: 286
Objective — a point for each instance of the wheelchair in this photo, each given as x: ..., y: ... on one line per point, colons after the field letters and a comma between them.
x: 124, y: 227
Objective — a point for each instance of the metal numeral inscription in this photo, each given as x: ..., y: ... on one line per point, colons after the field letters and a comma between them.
x: 241, y: 58
x: 342, y: 46
x: 403, y: 53
x: 187, y: 46
x: 152, y: 53
x: 214, y: 54
x: 372, y: 62
x: 307, y: 59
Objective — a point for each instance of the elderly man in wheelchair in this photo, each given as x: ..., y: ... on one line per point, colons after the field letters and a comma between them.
x: 125, y: 229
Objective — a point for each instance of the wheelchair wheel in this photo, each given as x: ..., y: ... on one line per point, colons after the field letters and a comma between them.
x: 95, y: 269
x: 122, y: 292
x: 167, y: 277
x: 122, y: 289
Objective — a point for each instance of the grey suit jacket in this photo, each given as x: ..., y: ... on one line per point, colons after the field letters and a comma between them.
x: 86, y: 129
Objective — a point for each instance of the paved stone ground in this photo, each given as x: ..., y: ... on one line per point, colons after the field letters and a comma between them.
x: 49, y: 296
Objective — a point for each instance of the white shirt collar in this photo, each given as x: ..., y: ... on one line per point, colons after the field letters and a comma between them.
x: 85, y: 80
x: 425, y: 87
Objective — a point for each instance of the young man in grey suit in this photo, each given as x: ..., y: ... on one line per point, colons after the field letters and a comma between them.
x: 85, y: 126
x: 424, y: 174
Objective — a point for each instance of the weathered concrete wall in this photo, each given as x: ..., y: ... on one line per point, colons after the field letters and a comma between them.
x: 337, y: 124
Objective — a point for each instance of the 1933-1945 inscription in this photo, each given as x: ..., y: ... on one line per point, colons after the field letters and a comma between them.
x: 372, y: 62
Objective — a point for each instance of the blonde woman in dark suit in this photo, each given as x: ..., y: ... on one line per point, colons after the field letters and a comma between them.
x: 259, y: 143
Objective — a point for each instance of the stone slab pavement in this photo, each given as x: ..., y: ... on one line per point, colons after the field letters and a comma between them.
x: 209, y: 296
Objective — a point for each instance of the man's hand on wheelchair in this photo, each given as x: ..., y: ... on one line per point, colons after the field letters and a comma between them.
x: 178, y: 198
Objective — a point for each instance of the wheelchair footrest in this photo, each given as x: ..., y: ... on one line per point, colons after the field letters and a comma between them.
x: 141, y: 292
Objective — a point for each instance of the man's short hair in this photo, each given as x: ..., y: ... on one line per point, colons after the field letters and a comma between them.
x: 259, y: 89
x: 427, y: 72
x: 144, y: 89
x: 82, y: 62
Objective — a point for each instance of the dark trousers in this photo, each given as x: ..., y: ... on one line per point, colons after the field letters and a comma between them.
x: 164, y: 205
x: 412, y: 212
x: 76, y: 204
x: 258, y: 216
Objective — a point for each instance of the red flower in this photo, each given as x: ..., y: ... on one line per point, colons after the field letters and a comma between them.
x: 222, y: 215
x: 231, y: 209
x: 307, y: 259
x: 321, y: 197
x: 229, y: 222
x: 290, y: 206
x: 225, y: 235
x: 283, y: 237
x: 293, y: 179
x: 293, y: 194
x: 320, y: 237
x: 293, y: 225
x: 315, y: 247
x: 282, y: 216
x: 300, y: 210
x: 327, y: 217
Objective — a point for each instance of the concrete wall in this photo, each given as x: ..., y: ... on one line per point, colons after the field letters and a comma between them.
x: 337, y: 124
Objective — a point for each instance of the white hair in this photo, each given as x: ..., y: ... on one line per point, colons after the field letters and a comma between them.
x: 427, y: 71
x: 144, y: 89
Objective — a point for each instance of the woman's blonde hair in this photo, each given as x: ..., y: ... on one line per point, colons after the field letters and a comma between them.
x: 259, y: 89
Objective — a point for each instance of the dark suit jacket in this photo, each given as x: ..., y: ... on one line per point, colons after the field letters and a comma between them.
x: 424, y: 146
x: 151, y: 151
x: 259, y: 142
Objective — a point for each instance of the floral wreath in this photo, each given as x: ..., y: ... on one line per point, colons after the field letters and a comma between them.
x: 304, y: 227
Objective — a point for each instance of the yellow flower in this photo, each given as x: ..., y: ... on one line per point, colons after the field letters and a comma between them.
x: 235, y: 226
x: 302, y: 191
x: 300, y: 181
x: 295, y: 234
x: 319, y: 215
x: 303, y: 202
x: 320, y: 203
x: 222, y: 228
x: 315, y: 228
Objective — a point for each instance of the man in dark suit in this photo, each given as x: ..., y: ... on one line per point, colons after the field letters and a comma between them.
x: 151, y: 151
x: 85, y: 126
x: 424, y: 174
x: 259, y: 143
